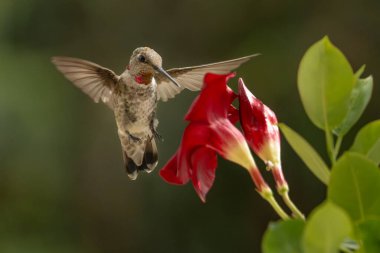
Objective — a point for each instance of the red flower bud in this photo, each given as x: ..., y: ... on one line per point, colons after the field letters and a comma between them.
x: 260, y: 128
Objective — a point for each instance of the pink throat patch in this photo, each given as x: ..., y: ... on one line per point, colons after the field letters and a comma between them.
x: 139, y: 79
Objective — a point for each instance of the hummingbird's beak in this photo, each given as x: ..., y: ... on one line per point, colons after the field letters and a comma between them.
x: 162, y: 71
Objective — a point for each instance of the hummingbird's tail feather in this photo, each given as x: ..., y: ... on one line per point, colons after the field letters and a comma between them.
x: 130, y: 167
x: 150, y: 155
x: 149, y: 160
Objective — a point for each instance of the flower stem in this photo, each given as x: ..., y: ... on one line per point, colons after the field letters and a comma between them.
x: 296, y: 212
x: 272, y: 201
x: 283, y: 190
x: 265, y: 191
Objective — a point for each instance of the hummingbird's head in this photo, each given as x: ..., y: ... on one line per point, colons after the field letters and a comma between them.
x: 146, y: 62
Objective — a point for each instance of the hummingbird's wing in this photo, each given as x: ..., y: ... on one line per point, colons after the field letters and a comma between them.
x: 192, y: 77
x: 94, y: 80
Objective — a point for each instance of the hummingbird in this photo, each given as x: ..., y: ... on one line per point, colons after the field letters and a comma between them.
x: 133, y: 96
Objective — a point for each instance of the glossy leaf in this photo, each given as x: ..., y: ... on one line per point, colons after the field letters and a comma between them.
x: 355, y: 186
x: 367, y: 141
x: 360, y: 97
x: 369, y: 232
x: 325, y: 83
x: 326, y: 229
x: 307, y: 153
x: 283, y: 237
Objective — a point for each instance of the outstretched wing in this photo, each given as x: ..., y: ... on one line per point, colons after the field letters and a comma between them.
x: 94, y: 80
x: 192, y: 77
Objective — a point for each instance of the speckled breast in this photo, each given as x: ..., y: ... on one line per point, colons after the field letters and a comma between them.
x: 135, y: 108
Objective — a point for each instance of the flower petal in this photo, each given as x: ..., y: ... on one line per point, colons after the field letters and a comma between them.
x: 230, y: 143
x: 203, y: 163
x: 195, y: 135
x: 259, y: 124
x: 233, y: 114
x: 213, y: 101
x: 171, y: 174
x: 178, y: 170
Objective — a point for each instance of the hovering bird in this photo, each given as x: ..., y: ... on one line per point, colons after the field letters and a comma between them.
x: 134, y: 94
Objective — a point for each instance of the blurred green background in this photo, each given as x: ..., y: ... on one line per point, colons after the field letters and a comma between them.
x: 62, y: 184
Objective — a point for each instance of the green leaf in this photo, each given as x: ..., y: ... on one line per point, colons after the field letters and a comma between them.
x: 307, y: 153
x: 367, y: 141
x: 326, y: 229
x: 325, y: 83
x: 369, y: 233
x: 355, y: 186
x: 360, y: 97
x: 283, y: 237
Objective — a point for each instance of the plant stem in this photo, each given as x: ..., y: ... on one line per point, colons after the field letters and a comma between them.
x: 297, y: 213
x: 337, y: 146
x: 330, y: 145
x: 283, y: 190
x: 266, y: 192
x: 272, y: 201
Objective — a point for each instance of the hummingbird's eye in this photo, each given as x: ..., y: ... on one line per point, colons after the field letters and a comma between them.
x: 141, y: 58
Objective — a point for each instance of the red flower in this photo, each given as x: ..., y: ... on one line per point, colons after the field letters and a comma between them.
x: 260, y: 128
x: 209, y: 133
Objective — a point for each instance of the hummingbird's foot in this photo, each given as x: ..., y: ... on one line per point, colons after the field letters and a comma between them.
x: 157, y: 136
x: 153, y: 127
x: 133, y: 138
